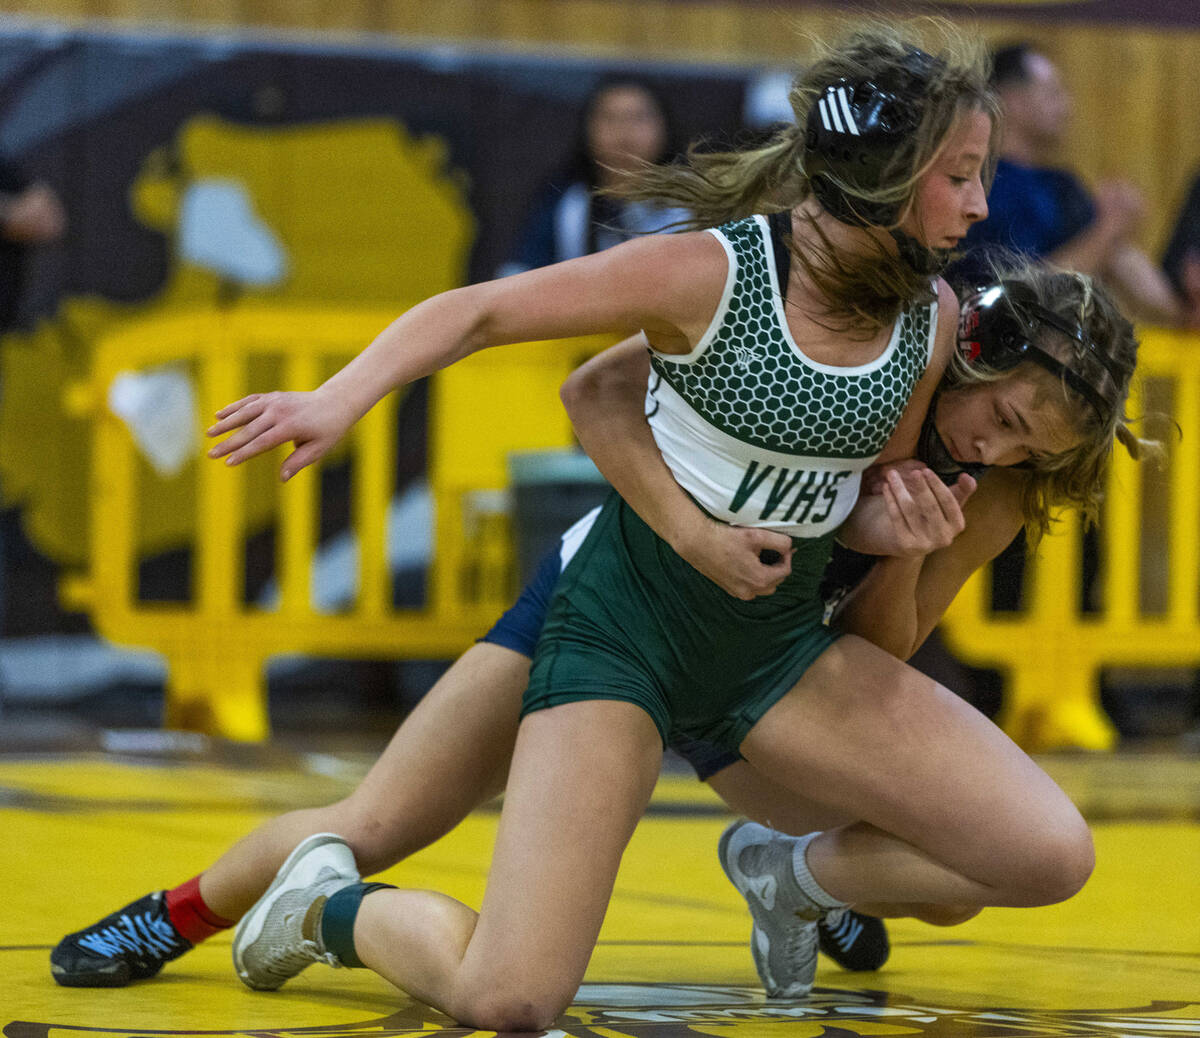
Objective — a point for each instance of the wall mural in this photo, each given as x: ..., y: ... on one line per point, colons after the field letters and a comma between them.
x: 203, y: 172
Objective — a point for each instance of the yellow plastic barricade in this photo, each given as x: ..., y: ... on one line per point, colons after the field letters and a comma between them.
x: 1146, y: 611
x: 503, y: 400
x: 216, y: 644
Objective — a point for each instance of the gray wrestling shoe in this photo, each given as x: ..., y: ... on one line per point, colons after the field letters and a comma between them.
x: 783, y: 941
x: 280, y: 935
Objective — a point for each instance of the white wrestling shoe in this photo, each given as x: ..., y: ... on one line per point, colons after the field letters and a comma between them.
x: 279, y: 936
x: 783, y: 941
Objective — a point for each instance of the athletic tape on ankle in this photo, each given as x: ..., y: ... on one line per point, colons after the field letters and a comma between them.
x: 337, y: 921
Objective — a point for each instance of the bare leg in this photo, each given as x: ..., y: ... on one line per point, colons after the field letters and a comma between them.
x: 953, y: 812
x: 450, y: 755
x: 749, y: 792
x: 572, y: 803
x: 934, y: 915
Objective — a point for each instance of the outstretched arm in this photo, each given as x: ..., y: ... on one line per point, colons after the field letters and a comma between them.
x: 606, y: 401
x: 620, y: 290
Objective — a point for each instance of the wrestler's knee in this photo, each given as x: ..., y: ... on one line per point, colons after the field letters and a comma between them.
x: 1054, y: 863
x: 504, y: 1008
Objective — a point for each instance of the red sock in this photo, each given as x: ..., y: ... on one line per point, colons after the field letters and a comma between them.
x: 190, y: 915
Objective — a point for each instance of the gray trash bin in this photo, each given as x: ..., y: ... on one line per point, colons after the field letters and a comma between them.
x: 550, y: 490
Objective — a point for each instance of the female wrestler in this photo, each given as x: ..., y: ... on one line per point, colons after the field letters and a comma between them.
x: 868, y: 333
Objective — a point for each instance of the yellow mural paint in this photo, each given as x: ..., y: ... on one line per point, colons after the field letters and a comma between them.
x: 361, y: 212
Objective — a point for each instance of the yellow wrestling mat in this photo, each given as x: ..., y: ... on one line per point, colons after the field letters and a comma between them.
x: 83, y: 835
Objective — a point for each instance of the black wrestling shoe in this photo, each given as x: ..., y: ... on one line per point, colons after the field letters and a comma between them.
x: 854, y: 941
x: 131, y: 944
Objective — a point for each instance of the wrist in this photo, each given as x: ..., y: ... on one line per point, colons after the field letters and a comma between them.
x: 687, y: 531
x: 904, y: 565
x: 347, y: 397
x: 339, y: 405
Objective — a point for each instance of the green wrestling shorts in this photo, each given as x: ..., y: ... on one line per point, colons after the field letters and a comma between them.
x: 631, y: 621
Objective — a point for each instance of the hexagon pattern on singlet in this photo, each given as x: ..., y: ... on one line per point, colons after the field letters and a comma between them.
x: 750, y: 384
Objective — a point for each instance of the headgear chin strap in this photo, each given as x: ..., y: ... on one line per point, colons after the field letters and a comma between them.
x: 932, y: 450
x: 853, y: 132
x: 999, y: 327
x: 921, y: 258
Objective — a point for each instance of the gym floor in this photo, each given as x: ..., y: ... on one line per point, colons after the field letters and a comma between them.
x: 85, y: 832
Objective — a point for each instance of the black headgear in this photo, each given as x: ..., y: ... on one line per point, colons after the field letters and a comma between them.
x: 855, y: 128
x: 999, y: 327
x: 932, y: 450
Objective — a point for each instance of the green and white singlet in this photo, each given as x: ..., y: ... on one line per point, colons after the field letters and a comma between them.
x: 755, y: 431
x: 759, y: 435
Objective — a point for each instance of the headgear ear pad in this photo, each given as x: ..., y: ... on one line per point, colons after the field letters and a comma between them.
x: 999, y: 326
x: 854, y: 130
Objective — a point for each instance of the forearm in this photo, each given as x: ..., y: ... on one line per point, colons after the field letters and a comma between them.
x: 902, y: 599
x: 1089, y: 250
x: 1145, y: 288
x: 618, y: 291
x: 429, y: 337
x: 605, y: 402
x: 884, y: 607
x: 867, y: 530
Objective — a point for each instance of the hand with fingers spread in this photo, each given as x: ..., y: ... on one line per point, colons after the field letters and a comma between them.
x: 744, y: 561
x: 262, y: 421
x: 924, y: 513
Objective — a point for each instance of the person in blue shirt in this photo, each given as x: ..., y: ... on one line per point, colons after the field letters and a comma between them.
x: 1044, y: 212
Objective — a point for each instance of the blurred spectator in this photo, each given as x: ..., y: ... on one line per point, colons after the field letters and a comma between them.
x: 1044, y: 211
x: 1181, y: 261
x: 30, y: 214
x: 623, y: 124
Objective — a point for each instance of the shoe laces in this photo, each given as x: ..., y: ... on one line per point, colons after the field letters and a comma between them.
x: 287, y: 964
x: 142, y: 933
x: 841, y: 925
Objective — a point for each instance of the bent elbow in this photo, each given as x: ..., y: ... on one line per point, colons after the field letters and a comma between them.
x: 591, y: 383
x: 569, y: 392
x: 907, y: 644
x: 902, y: 648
